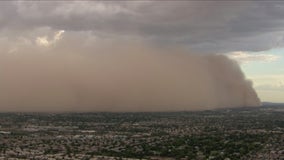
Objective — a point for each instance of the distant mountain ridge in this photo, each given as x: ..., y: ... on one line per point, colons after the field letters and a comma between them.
x: 266, y: 104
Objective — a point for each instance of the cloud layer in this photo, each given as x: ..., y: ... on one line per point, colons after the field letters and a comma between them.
x: 205, y: 26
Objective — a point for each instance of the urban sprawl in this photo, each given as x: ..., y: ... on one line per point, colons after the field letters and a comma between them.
x: 229, y: 134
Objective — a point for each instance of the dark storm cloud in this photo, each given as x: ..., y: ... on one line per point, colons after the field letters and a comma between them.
x: 214, y: 26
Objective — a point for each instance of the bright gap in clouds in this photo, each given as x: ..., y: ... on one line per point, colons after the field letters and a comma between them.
x: 46, y: 42
x: 245, y: 57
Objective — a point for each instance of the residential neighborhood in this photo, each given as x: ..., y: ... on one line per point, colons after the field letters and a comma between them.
x: 231, y: 134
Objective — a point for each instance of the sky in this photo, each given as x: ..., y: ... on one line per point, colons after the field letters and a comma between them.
x: 251, y: 33
x: 267, y: 75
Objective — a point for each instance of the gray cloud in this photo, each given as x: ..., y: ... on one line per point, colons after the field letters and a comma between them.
x: 216, y: 26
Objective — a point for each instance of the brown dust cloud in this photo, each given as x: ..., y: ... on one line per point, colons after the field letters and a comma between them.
x: 120, y: 77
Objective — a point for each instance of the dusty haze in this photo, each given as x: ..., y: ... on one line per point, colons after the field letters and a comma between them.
x: 120, y: 77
